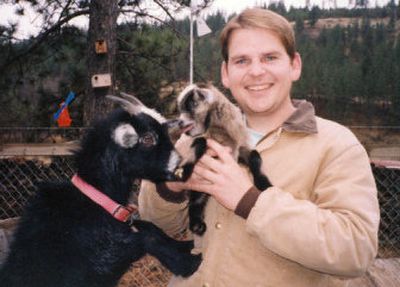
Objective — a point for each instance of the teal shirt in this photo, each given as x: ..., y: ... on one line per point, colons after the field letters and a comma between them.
x: 254, y: 137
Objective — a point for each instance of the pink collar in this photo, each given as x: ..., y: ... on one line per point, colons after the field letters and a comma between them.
x: 122, y: 213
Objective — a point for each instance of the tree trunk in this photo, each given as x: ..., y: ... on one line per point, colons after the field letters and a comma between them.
x: 102, y: 26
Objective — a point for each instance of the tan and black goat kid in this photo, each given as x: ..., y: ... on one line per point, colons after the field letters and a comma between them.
x: 206, y: 112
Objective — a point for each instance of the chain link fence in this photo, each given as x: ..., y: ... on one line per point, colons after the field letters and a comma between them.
x: 18, y: 178
x: 388, y: 183
x: 20, y: 174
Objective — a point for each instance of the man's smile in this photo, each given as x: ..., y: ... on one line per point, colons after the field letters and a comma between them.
x: 257, y: 88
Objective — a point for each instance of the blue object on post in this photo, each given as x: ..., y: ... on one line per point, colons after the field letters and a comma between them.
x: 70, y: 98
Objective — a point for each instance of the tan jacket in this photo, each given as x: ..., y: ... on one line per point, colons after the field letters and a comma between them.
x: 315, y: 227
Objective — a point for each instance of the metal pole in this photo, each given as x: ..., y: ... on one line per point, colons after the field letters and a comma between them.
x: 191, y: 48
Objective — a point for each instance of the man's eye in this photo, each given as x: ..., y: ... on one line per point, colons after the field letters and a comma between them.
x: 148, y: 139
x: 270, y: 58
x: 241, y: 61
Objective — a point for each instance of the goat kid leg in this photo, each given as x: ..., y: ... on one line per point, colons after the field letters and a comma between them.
x: 198, y: 147
x: 252, y: 159
x: 173, y: 254
x: 197, y: 204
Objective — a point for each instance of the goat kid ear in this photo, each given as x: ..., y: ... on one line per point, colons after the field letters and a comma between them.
x: 207, y: 95
x: 125, y: 136
x: 203, y: 95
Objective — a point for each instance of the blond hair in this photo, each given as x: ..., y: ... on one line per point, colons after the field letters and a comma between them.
x: 259, y: 18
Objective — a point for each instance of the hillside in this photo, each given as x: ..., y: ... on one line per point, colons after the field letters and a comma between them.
x: 351, y: 68
x: 329, y: 23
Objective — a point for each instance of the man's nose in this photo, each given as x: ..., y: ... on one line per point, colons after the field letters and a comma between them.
x: 257, y: 68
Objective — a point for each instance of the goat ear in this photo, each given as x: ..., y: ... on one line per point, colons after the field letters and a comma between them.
x: 208, y: 95
x: 125, y: 136
x: 128, y: 106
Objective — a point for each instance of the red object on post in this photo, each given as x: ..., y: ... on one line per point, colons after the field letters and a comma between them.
x: 64, y: 120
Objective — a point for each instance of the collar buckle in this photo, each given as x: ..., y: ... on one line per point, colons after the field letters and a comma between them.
x: 123, y: 213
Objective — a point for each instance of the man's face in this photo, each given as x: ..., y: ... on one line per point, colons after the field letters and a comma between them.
x: 259, y: 72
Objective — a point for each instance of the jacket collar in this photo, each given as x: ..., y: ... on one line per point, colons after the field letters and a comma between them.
x: 118, y: 211
x: 303, y: 118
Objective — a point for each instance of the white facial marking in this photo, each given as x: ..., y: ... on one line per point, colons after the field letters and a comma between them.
x: 125, y: 135
x: 174, y: 160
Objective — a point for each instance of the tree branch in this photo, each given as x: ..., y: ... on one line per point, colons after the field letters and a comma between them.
x: 43, y: 36
x: 142, y: 14
x: 164, y: 9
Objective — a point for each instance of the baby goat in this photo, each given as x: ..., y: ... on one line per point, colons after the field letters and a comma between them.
x: 75, y: 233
x: 206, y: 112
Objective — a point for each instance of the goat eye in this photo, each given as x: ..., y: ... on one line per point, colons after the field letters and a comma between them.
x: 193, y: 105
x: 148, y: 139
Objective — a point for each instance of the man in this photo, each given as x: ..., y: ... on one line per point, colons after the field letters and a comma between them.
x: 317, y: 225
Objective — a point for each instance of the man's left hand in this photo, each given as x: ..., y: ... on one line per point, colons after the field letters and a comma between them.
x: 227, y: 181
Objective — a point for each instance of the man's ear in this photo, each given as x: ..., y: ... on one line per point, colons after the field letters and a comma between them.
x: 224, y: 74
x: 296, y: 67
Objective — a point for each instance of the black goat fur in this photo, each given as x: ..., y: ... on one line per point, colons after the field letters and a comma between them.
x: 66, y: 240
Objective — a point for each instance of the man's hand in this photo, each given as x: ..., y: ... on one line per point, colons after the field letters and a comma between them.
x: 193, y: 181
x: 221, y: 177
x: 184, y: 146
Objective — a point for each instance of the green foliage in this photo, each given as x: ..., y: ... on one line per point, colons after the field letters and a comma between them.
x: 147, y: 57
x: 34, y: 88
x: 342, y: 65
x: 354, y: 64
x: 315, y: 14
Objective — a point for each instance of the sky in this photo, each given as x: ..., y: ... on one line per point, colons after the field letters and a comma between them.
x: 30, y: 23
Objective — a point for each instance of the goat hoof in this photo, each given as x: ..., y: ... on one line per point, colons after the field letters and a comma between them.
x: 194, y: 264
x: 262, y: 182
x: 198, y: 228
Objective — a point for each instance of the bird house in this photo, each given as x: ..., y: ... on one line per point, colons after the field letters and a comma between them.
x: 101, y: 80
x: 101, y: 47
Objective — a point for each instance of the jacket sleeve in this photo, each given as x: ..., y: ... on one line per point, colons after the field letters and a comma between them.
x: 336, y: 233
x: 171, y: 216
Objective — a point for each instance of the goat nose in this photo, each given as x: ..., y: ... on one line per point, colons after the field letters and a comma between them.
x: 171, y: 124
x: 174, y: 129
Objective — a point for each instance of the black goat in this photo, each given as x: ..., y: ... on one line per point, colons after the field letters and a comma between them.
x: 67, y: 238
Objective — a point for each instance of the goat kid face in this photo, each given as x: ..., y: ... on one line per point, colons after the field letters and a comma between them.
x: 141, y: 137
x: 194, y: 104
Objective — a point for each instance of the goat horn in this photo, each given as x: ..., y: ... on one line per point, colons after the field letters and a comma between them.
x: 131, y: 98
x: 126, y: 105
